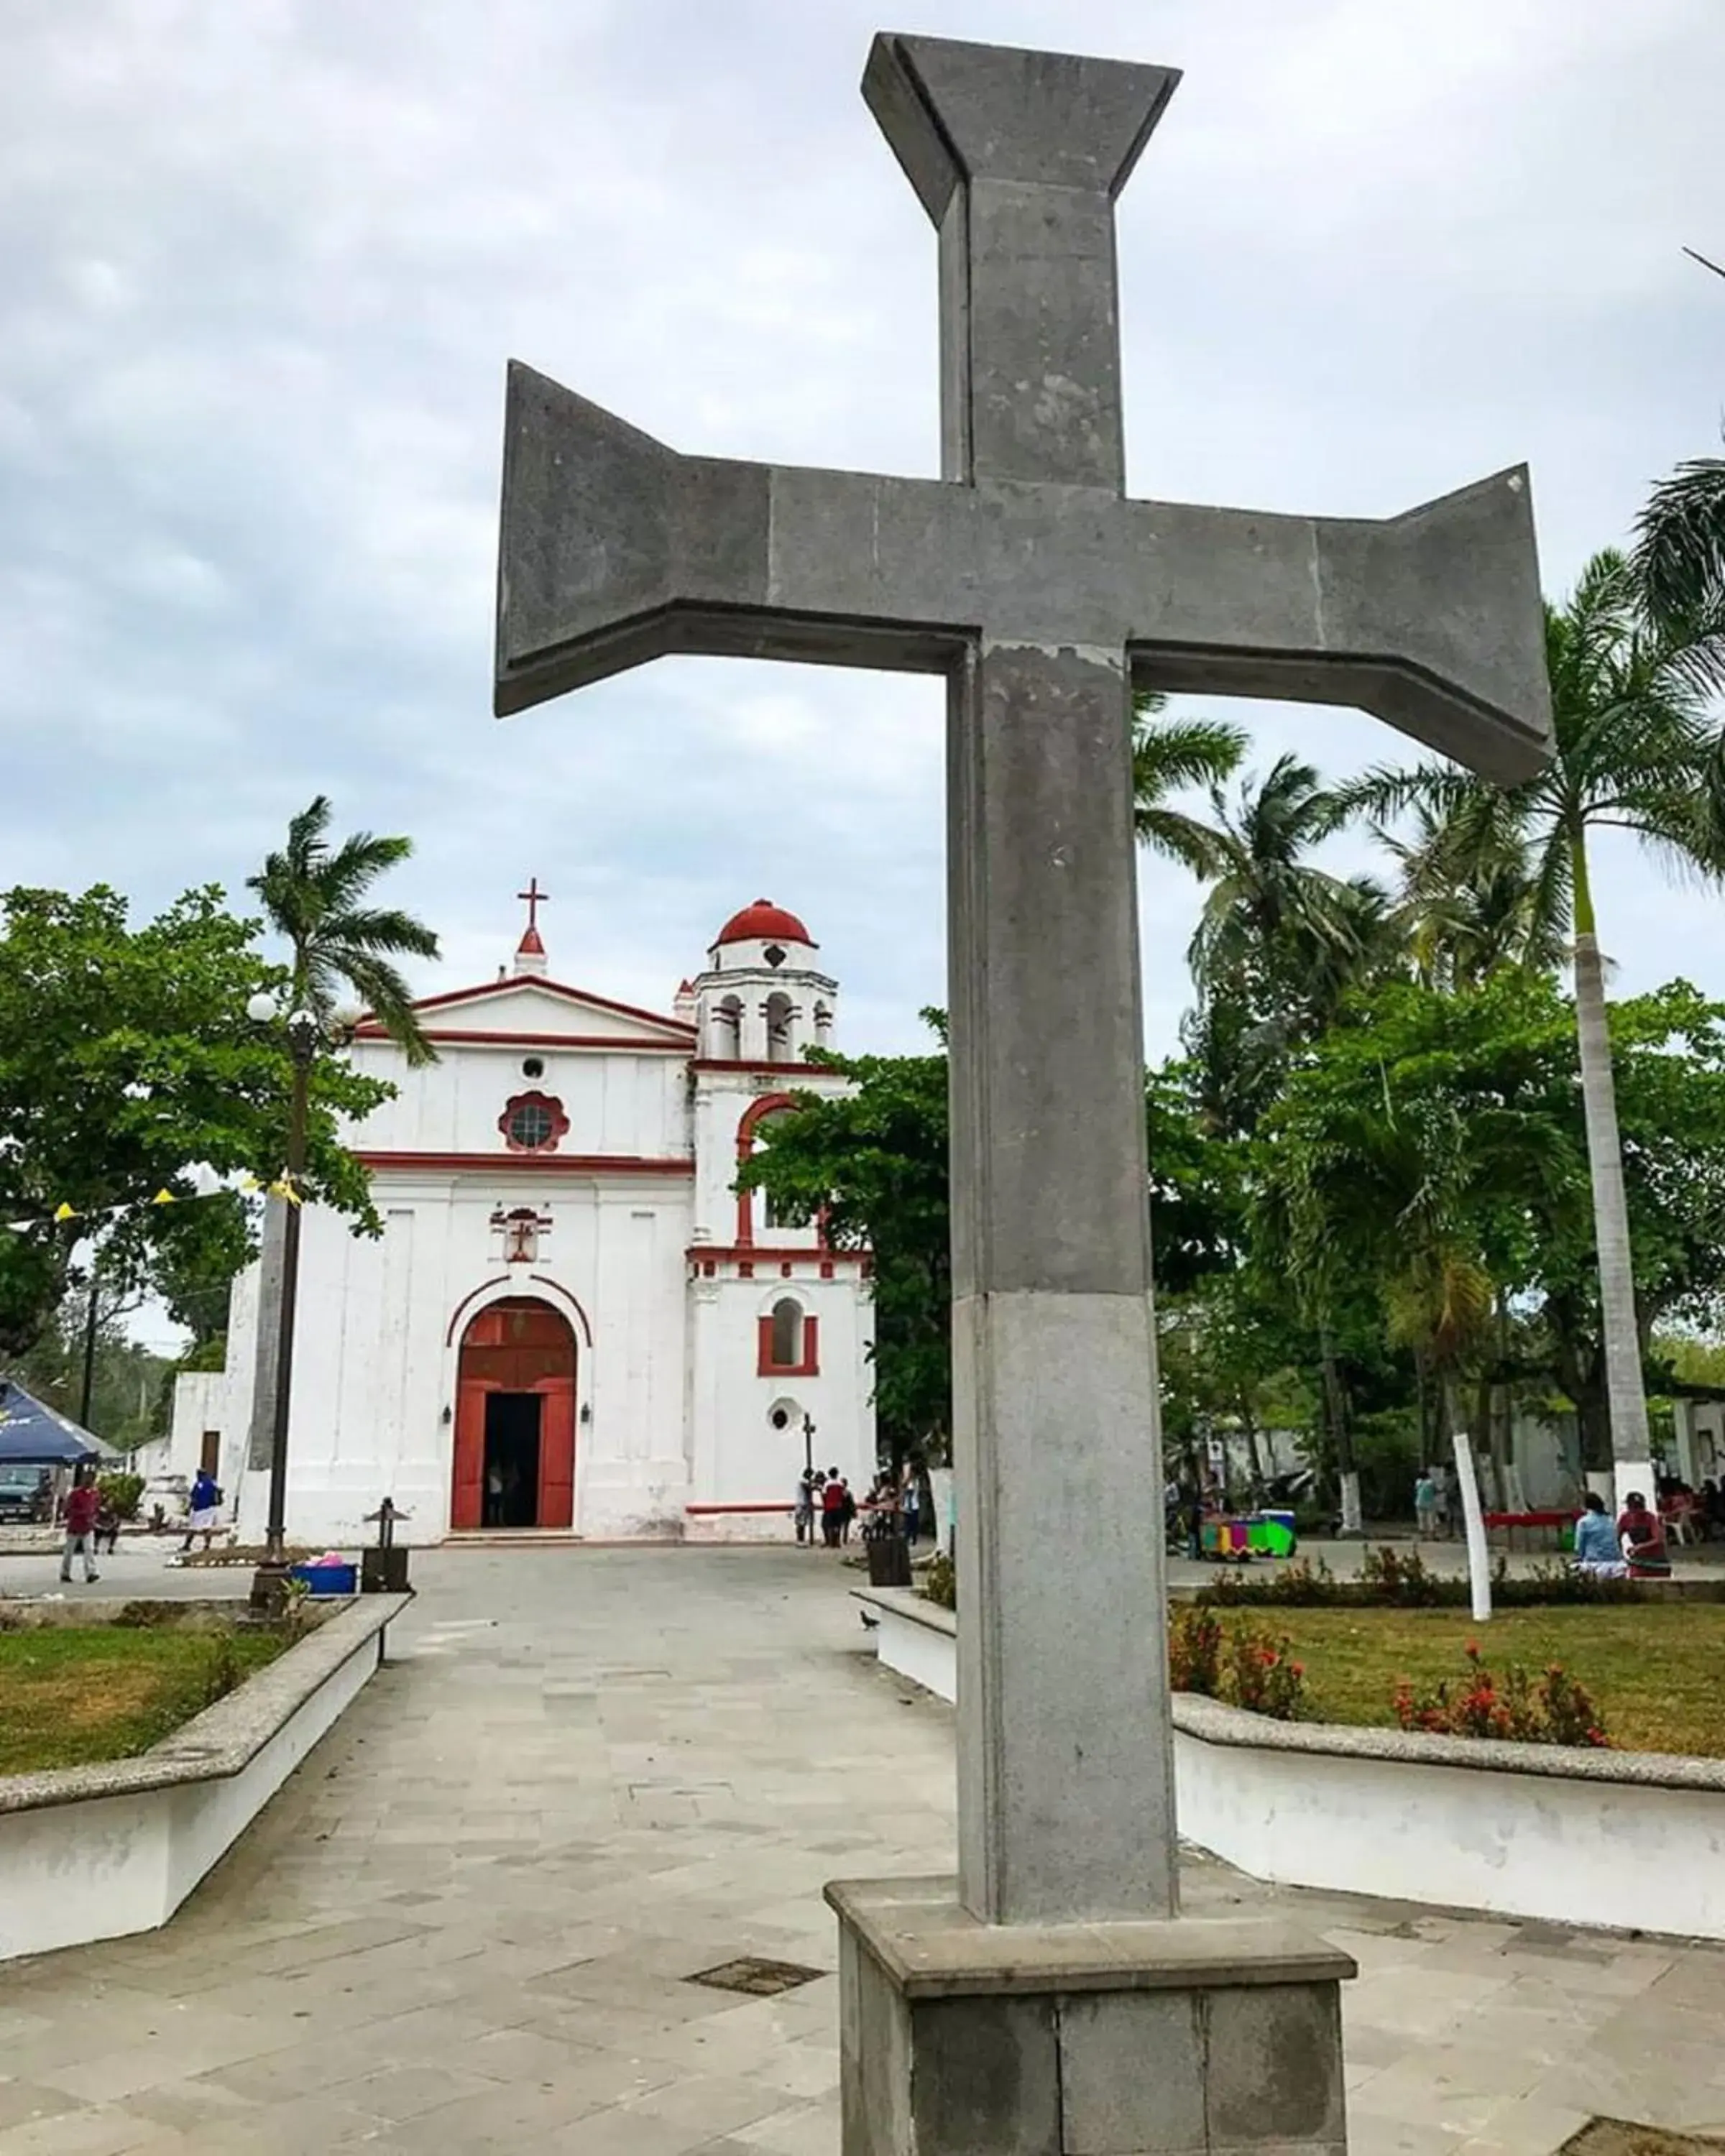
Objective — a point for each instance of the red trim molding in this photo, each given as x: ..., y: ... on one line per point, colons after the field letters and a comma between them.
x: 708, y: 1511
x: 517, y: 1163
x: 472, y: 1037
x: 809, y: 1367
x: 707, y: 1256
x: 751, y: 1068
x: 757, y: 1110
x: 518, y: 982
x: 484, y: 1287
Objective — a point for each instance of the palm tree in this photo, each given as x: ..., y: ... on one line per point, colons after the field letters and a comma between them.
x: 1633, y: 751
x: 1272, y: 917
x: 1167, y: 755
x: 314, y: 897
x: 1468, y: 904
x: 1679, y: 564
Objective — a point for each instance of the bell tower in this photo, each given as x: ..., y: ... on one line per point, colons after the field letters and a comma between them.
x: 763, y: 998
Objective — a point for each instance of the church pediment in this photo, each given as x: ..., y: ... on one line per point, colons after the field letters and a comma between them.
x: 543, y: 1012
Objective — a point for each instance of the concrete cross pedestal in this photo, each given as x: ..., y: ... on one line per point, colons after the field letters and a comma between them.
x: 1051, y: 2003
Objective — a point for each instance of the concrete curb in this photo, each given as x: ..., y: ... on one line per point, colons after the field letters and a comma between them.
x: 225, y: 1738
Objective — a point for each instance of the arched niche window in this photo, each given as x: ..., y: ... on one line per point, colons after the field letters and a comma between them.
x: 789, y: 1340
x: 787, y: 1333
x: 772, y: 1215
x: 727, y: 1029
x: 781, y: 1036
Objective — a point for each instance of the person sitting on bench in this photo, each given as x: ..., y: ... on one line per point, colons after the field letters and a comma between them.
x: 1597, y: 1549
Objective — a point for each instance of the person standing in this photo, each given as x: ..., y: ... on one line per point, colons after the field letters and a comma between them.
x: 82, y: 1507
x: 911, y: 1503
x: 206, y: 1510
x: 1425, y: 1505
x: 832, y: 1508
x: 804, y: 1509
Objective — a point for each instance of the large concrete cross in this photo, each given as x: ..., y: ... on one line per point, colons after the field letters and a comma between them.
x: 1025, y: 576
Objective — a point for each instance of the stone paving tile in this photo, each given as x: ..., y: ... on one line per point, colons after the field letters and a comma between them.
x: 466, y: 1923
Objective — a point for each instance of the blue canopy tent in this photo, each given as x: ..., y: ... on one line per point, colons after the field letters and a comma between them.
x: 34, y: 1435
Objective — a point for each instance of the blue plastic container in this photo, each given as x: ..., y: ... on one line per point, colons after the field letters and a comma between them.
x: 327, y: 1578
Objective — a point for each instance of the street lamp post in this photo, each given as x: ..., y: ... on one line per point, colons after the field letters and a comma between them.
x: 305, y: 1036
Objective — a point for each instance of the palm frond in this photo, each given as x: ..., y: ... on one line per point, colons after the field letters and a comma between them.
x: 1679, y: 542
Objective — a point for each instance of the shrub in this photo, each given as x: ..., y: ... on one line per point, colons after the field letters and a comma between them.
x: 1261, y: 1676
x: 1299, y: 1584
x: 940, y: 1582
x: 121, y: 1494
x: 1404, y: 1578
x: 1194, y: 1650
x: 1557, y: 1711
x: 221, y: 1671
x: 1243, y: 1663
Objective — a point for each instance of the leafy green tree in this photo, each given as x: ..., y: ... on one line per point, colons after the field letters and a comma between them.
x: 1435, y: 1145
x: 875, y: 1164
x: 126, y: 1059
x: 1635, y: 751
x: 130, y: 1389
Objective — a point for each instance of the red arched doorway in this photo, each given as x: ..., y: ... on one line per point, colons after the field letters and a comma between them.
x: 515, y: 1418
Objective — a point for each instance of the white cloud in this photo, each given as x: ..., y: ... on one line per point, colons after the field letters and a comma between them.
x: 264, y: 263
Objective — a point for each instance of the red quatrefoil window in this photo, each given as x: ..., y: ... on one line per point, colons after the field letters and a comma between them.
x: 533, y: 1123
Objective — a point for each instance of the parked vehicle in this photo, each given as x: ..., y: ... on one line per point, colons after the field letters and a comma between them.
x: 26, y: 1494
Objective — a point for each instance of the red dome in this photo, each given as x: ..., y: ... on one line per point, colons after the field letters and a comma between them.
x: 763, y: 922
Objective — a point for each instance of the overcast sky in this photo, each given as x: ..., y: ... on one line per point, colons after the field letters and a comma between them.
x: 263, y: 262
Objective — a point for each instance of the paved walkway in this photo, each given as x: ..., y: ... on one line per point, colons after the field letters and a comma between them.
x: 143, y: 1565
x: 466, y: 1925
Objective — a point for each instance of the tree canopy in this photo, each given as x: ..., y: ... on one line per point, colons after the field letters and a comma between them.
x: 127, y: 1060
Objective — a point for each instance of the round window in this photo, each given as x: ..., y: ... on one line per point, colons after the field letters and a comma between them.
x: 533, y: 1123
x: 533, y: 1067
x: 530, y: 1125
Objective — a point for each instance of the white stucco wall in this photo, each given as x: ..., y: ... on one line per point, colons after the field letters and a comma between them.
x: 1617, y: 1841
x: 103, y: 1866
x: 378, y: 1340
x: 1619, y: 1853
x: 672, y: 1412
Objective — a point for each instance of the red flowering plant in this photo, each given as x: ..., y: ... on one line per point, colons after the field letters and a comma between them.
x: 1243, y: 1663
x: 1194, y: 1650
x: 1262, y: 1676
x: 1557, y: 1711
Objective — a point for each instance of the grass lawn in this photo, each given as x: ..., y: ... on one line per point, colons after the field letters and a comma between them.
x: 70, y: 1697
x: 1657, y: 1674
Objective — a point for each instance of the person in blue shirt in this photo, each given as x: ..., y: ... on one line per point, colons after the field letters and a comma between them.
x: 205, y: 1508
x: 1597, y: 1548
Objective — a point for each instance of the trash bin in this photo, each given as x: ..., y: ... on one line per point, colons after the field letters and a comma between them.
x: 888, y: 1559
x: 383, y: 1571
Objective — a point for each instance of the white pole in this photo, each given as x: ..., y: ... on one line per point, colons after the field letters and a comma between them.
x: 1479, y: 1562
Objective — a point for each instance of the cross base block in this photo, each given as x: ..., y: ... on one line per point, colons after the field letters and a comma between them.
x: 1180, y: 2037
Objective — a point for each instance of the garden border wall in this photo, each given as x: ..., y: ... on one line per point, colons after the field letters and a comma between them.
x: 101, y: 1851
x: 1626, y: 1841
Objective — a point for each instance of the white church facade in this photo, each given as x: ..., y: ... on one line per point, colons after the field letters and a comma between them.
x: 573, y: 1322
